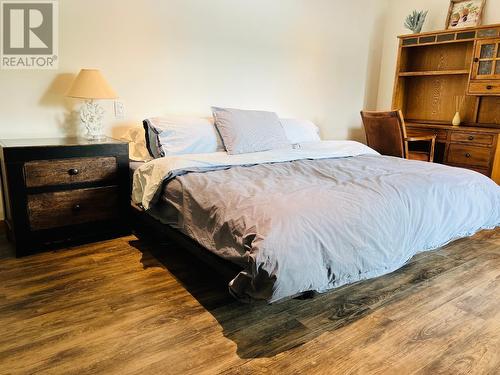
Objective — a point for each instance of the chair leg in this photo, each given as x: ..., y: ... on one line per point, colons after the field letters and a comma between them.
x: 431, y: 153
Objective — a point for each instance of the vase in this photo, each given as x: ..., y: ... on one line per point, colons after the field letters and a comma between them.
x: 456, y: 119
x: 418, y: 28
x: 91, y: 115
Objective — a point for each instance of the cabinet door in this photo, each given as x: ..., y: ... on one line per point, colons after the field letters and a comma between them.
x: 486, y: 60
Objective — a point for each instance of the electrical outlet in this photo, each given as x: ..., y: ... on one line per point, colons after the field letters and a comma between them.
x: 119, y: 110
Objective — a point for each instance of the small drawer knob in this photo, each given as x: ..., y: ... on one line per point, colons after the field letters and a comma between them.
x: 73, y: 171
x: 467, y: 155
x: 489, y: 87
x: 77, y: 208
x: 471, y: 137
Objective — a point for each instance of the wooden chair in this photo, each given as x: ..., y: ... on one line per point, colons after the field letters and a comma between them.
x: 386, y: 133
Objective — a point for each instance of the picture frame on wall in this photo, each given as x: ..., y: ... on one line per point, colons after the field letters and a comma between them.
x: 464, y: 13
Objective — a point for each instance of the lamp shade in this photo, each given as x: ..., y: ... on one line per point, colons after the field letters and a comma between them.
x: 91, y: 84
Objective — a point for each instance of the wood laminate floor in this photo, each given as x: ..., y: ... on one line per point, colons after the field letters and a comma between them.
x: 127, y: 307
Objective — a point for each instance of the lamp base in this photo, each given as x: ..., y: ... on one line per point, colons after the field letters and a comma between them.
x: 95, y: 137
x: 91, y: 115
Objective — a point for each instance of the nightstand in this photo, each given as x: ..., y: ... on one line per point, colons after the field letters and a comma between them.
x: 63, y: 191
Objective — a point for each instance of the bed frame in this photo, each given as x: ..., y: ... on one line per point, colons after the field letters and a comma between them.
x: 146, y: 227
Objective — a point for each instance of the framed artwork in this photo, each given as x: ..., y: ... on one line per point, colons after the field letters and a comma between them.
x: 464, y: 13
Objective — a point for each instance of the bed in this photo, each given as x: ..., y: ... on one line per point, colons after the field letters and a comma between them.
x: 313, y: 217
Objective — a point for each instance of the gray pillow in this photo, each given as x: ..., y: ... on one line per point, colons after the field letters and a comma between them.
x: 249, y: 131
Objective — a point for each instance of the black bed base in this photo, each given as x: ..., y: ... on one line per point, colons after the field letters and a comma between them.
x: 147, y: 227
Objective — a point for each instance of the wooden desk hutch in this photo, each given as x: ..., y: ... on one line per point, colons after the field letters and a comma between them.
x: 436, y: 68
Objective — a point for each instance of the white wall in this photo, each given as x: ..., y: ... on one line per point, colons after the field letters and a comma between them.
x: 314, y: 59
x: 297, y: 57
x: 436, y: 19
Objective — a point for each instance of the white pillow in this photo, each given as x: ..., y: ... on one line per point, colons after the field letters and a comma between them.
x: 137, y: 150
x: 175, y: 135
x: 244, y: 131
x: 298, y: 131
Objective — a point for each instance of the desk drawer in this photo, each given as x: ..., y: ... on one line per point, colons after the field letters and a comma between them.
x: 481, y: 139
x: 484, y: 87
x: 68, y: 171
x: 469, y: 155
x: 477, y: 169
x: 57, y: 209
x: 417, y: 132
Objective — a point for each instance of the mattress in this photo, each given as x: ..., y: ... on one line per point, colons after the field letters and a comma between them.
x: 319, y: 218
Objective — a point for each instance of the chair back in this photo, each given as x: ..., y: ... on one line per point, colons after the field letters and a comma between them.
x: 385, y: 132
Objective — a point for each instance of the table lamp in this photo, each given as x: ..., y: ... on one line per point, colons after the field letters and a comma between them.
x: 91, y: 85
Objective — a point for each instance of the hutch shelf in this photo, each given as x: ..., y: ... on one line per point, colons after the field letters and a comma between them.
x: 437, y: 70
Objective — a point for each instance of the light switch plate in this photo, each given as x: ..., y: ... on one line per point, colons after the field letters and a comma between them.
x: 119, y: 110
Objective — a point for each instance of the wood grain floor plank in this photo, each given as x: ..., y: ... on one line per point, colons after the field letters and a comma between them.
x: 351, y: 349
x: 477, y: 353
x: 130, y: 307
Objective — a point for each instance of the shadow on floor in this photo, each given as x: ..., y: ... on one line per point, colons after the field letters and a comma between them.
x: 262, y: 330
x: 6, y: 248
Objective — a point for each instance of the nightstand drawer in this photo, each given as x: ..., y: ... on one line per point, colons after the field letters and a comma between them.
x: 62, y: 208
x: 469, y: 155
x: 481, y: 139
x: 68, y: 171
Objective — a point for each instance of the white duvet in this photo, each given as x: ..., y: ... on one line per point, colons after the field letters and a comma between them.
x: 149, y: 177
x: 322, y: 216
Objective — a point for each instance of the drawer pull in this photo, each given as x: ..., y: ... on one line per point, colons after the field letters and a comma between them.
x: 489, y: 87
x: 467, y: 155
x: 77, y: 208
x: 471, y: 137
x: 73, y: 171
